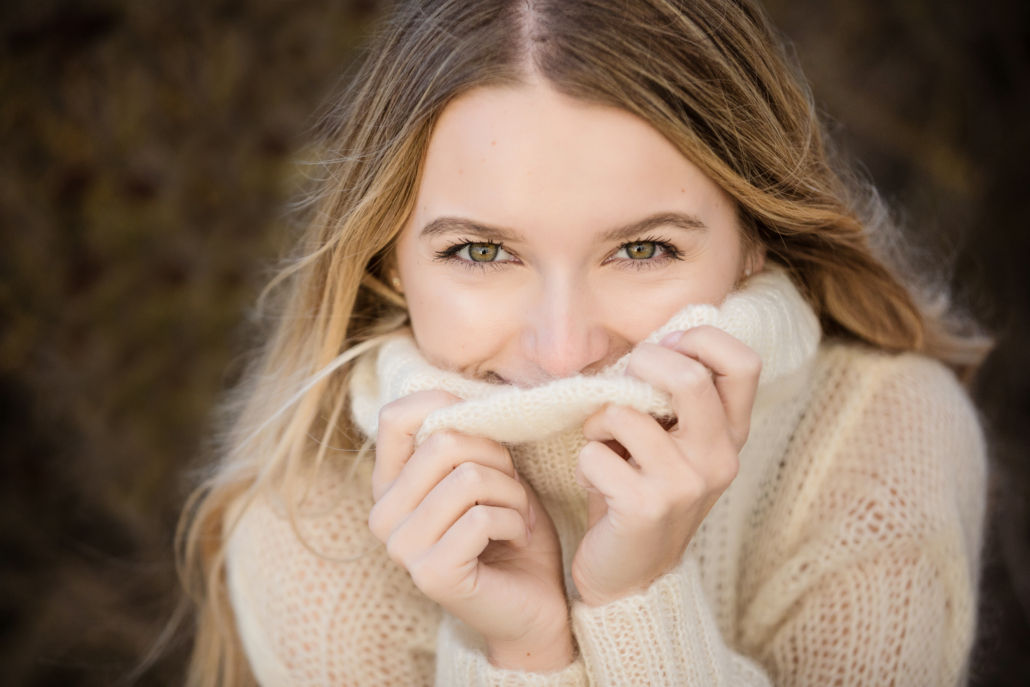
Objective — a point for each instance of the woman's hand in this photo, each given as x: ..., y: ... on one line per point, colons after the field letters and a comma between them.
x: 474, y: 538
x: 648, y: 488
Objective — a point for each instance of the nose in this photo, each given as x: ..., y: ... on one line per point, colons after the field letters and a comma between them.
x: 564, y: 333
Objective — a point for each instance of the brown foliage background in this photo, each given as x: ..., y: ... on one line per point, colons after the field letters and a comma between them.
x: 147, y: 152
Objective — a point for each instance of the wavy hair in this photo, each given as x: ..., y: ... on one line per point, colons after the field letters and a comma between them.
x: 711, y: 75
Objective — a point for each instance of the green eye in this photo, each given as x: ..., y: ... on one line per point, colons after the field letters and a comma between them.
x: 640, y: 251
x: 483, y: 252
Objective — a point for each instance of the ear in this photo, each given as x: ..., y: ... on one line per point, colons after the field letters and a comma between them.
x: 395, y: 281
x: 753, y: 262
x: 388, y: 268
x: 757, y: 260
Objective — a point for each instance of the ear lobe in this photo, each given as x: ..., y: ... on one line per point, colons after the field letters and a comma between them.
x: 754, y: 263
x: 758, y: 262
x: 395, y: 282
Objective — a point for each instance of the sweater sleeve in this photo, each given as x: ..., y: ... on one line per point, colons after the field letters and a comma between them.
x: 323, y: 604
x: 875, y: 563
x: 666, y: 635
x: 461, y: 660
x: 863, y: 570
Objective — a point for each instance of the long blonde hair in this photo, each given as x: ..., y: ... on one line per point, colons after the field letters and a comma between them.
x: 711, y: 75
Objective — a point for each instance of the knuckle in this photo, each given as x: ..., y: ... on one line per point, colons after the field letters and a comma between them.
x: 445, y: 441
x: 425, y: 575
x: 479, y: 517
x: 469, y: 475
x: 591, y: 451
x: 490, y: 448
x: 616, y: 414
x: 379, y: 484
x: 752, y: 363
x: 377, y: 523
x: 397, y: 550
x: 390, y: 414
x: 639, y: 354
x: 691, y: 375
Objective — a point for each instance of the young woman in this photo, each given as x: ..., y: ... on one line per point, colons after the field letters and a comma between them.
x: 646, y: 405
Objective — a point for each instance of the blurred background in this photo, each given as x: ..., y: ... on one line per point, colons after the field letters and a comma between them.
x: 147, y: 154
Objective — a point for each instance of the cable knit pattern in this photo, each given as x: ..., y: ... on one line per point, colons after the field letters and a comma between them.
x: 845, y: 552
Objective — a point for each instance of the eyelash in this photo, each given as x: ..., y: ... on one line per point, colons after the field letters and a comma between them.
x: 449, y: 254
x: 669, y: 252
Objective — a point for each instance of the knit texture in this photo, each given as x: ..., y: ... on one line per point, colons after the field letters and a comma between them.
x: 844, y: 553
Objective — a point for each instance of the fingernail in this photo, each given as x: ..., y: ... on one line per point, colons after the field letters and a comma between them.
x: 671, y: 339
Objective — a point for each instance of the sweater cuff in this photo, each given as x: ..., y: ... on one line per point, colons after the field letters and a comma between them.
x: 666, y: 635
x: 461, y: 662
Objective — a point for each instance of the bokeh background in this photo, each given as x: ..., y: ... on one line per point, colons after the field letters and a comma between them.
x: 148, y: 151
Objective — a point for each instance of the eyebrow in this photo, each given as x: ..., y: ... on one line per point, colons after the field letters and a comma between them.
x: 676, y: 219
x: 453, y: 225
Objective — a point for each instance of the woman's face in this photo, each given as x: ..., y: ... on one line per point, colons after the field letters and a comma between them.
x: 550, y: 236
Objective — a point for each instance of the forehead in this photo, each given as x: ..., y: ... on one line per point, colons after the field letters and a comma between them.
x: 529, y: 157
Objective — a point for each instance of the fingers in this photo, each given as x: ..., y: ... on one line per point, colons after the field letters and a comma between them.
x: 438, y: 456
x: 398, y: 423
x: 466, y: 487
x: 696, y: 459
x: 683, y: 465
x: 736, y: 366
x: 695, y: 400
x: 433, y: 570
x: 709, y: 360
x: 446, y: 450
x: 638, y: 432
x: 600, y: 470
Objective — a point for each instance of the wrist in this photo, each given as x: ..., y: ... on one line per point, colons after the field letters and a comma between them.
x: 538, y: 653
x: 602, y: 597
x: 595, y: 592
x: 595, y: 600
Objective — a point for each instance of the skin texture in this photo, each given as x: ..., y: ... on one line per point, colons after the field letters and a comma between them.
x: 542, y: 186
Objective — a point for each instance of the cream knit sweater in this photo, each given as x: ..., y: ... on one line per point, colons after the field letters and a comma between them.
x: 844, y: 553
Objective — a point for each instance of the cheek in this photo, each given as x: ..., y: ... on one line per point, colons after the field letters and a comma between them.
x: 457, y: 324
x: 635, y: 306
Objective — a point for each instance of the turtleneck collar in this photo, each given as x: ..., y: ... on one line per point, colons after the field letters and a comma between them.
x: 768, y: 314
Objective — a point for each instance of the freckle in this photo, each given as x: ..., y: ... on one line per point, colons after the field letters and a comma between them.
x: 493, y: 143
x: 682, y: 191
x: 483, y: 159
